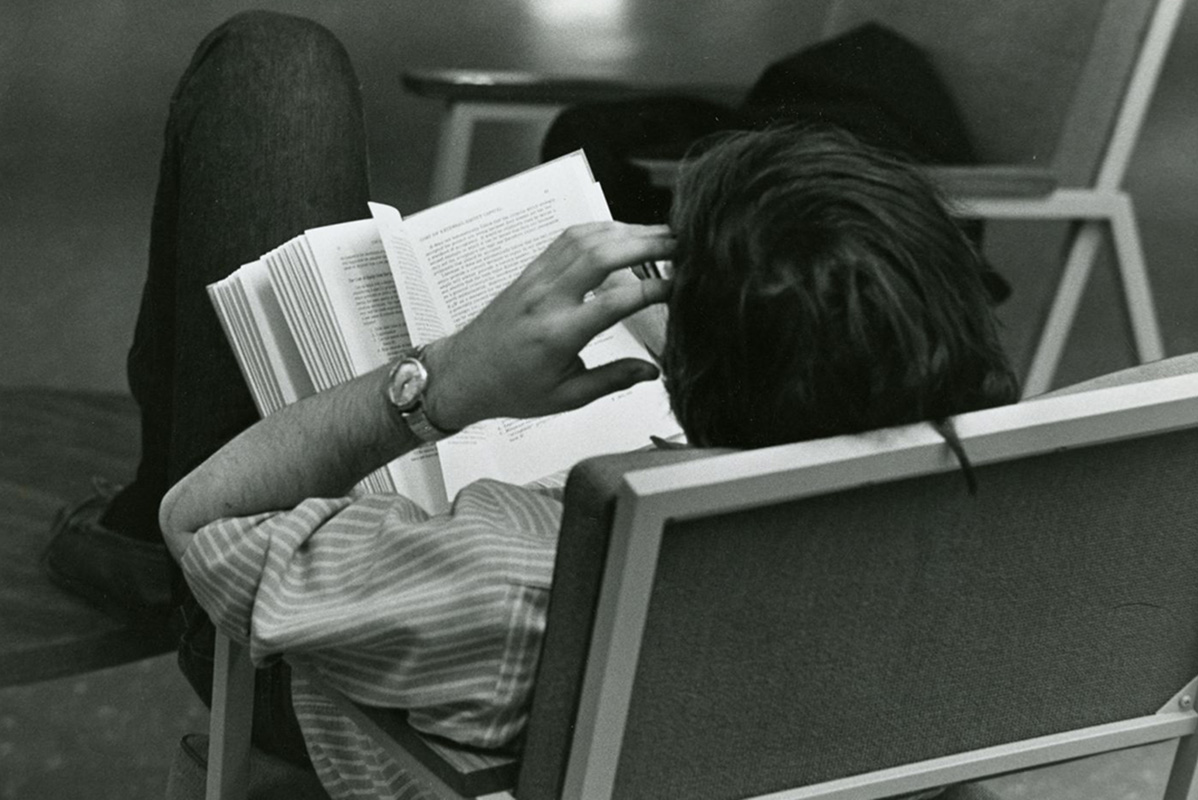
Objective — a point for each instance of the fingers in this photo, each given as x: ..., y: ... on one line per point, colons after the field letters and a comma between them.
x: 589, y: 385
x: 609, y: 307
x: 520, y: 356
x: 585, y: 254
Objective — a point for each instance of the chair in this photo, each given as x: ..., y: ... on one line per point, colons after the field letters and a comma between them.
x: 841, y: 619
x: 1053, y: 94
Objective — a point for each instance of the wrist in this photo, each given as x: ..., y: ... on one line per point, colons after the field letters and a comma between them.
x: 443, y: 406
x: 406, y: 392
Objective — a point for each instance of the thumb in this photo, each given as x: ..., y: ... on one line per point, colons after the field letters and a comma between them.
x: 589, y: 385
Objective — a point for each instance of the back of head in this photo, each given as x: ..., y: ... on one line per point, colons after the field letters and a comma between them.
x: 821, y: 288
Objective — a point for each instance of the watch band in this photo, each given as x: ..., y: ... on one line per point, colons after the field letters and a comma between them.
x: 410, y: 411
x: 422, y: 427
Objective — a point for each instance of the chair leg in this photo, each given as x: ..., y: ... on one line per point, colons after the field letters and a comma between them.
x: 229, y: 726
x: 1183, y: 777
x: 1082, y: 252
x: 1137, y: 292
x: 453, y: 153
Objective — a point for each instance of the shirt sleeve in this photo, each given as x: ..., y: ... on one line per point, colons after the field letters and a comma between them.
x: 442, y: 615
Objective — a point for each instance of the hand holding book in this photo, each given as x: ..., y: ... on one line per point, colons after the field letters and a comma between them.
x: 505, y: 301
x: 520, y: 356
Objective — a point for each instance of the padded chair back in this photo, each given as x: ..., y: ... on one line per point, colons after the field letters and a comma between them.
x: 816, y: 638
x: 1037, y: 82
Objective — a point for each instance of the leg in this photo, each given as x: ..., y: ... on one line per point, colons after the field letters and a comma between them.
x: 264, y: 139
x: 268, y: 140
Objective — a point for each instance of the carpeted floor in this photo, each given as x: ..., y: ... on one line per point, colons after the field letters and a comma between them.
x: 107, y: 735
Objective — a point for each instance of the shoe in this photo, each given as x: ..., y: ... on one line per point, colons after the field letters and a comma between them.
x: 129, y: 579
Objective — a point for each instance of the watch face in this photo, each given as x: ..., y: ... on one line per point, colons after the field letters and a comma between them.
x: 407, y: 384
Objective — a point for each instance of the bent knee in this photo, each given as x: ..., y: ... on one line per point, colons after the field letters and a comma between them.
x: 263, y: 63
x: 269, y: 40
x: 260, y: 26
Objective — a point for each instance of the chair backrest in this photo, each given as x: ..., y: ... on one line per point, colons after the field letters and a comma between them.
x: 762, y: 620
x: 1037, y: 82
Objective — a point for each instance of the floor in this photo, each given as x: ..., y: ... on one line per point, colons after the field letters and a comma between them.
x: 83, y: 94
x: 107, y: 735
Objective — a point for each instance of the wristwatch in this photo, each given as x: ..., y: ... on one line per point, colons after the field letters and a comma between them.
x: 404, y: 393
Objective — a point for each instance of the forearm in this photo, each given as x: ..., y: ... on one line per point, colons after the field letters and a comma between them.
x: 318, y: 447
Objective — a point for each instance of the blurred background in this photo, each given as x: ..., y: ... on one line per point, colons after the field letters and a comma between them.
x: 84, y: 88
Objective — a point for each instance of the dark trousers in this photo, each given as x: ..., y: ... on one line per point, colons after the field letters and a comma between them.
x: 264, y: 139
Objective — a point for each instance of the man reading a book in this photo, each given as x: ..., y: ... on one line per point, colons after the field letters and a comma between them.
x: 819, y: 288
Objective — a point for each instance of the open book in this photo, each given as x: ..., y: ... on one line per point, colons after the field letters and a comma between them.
x: 341, y: 300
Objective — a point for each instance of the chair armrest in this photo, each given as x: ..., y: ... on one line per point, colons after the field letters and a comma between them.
x: 463, y: 771
x: 993, y: 181
x: 499, y: 86
x: 230, y: 721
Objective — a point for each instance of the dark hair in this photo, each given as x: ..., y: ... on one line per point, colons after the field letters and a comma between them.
x: 821, y: 288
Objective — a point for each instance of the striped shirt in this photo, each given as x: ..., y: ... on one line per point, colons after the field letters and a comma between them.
x: 442, y: 616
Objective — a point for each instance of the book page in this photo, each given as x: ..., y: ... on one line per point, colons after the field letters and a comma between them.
x: 298, y: 320
x: 426, y: 314
x: 524, y: 450
x: 257, y: 332
x: 475, y: 245
x: 318, y: 313
x: 281, y: 357
x: 264, y: 385
x: 356, y: 279
x: 222, y: 294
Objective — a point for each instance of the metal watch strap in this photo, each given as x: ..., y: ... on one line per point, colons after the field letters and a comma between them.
x: 421, y: 427
x: 414, y: 418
